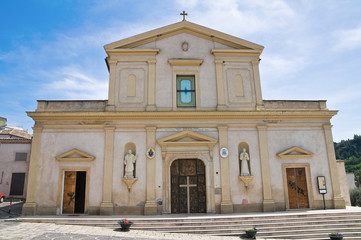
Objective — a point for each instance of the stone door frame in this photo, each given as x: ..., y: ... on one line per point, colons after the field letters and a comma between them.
x: 61, y: 187
x: 306, y: 166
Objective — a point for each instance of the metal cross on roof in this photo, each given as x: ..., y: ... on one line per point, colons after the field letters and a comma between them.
x: 184, y: 14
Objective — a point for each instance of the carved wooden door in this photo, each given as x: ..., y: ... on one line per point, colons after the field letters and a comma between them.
x: 69, y: 192
x: 188, y: 186
x: 297, y: 188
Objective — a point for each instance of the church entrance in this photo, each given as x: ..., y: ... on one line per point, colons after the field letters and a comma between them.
x: 297, y: 188
x: 74, y: 192
x: 188, y: 186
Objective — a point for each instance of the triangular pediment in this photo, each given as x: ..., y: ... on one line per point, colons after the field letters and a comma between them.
x: 183, y: 27
x: 187, y: 138
x: 295, y: 152
x: 74, y: 155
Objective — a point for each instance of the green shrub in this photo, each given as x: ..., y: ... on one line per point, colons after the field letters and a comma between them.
x: 355, y: 196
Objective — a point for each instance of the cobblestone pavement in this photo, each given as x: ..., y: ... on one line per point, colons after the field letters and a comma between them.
x: 50, y: 231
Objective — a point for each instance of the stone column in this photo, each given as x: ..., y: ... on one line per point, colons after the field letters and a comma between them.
x: 338, y: 200
x: 151, y: 85
x: 106, y: 207
x: 112, y: 82
x: 220, y: 88
x: 226, y: 203
x: 150, y: 207
x: 257, y: 83
x: 29, y: 207
x: 268, y: 202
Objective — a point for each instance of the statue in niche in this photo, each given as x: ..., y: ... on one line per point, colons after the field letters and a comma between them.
x: 129, y: 161
x: 244, y: 158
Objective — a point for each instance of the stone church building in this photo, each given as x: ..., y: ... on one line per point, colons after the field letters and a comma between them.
x: 184, y: 130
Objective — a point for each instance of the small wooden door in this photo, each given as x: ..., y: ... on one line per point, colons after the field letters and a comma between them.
x: 188, y: 186
x: 74, y: 192
x: 297, y: 188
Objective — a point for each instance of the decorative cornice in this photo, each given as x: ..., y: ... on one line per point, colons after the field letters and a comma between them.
x: 133, y: 52
x: 178, y: 115
x: 185, y: 62
x: 236, y: 52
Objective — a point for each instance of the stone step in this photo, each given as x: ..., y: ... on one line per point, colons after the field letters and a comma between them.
x: 282, y: 225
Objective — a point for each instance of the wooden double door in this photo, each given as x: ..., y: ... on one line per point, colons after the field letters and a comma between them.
x: 297, y: 188
x: 188, y: 186
x: 74, y: 192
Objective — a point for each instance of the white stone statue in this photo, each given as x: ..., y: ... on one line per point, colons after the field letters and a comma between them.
x: 244, y: 157
x: 129, y: 161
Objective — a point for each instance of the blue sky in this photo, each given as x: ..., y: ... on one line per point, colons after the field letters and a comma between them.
x: 53, y: 50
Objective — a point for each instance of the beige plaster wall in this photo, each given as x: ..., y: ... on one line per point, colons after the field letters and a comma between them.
x: 8, y: 165
x: 56, y: 142
x: 310, y: 139
x: 240, y: 195
x: 199, y: 48
x: 137, y: 195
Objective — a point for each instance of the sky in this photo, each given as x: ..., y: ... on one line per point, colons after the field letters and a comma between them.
x: 53, y: 50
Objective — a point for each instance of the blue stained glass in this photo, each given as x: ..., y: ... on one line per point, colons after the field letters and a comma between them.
x: 186, y: 97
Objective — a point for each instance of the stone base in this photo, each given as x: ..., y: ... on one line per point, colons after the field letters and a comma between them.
x: 339, y: 203
x: 226, y: 207
x: 106, y: 208
x: 268, y: 206
x: 29, y: 209
x: 151, y: 108
x: 150, y: 208
x: 221, y: 108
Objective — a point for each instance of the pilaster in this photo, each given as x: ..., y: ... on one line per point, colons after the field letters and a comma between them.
x: 151, y: 85
x: 268, y: 202
x: 106, y: 207
x: 112, y: 82
x: 338, y: 200
x: 226, y: 203
x: 29, y: 207
x: 257, y: 83
x: 220, y: 88
x: 150, y: 207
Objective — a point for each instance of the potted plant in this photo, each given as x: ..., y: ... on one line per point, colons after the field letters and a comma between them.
x: 335, y: 236
x: 251, y: 232
x: 125, y: 224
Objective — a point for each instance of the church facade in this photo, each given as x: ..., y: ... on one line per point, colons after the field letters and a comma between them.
x: 184, y: 130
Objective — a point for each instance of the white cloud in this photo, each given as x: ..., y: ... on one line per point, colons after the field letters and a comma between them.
x: 348, y: 39
x: 75, y: 84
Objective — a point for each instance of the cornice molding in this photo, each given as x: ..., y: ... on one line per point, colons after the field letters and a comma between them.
x: 183, y: 116
x: 236, y: 52
x: 185, y: 62
x: 133, y: 52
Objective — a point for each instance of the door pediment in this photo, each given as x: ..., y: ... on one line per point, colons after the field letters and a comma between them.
x: 187, y: 139
x: 295, y: 152
x: 74, y: 155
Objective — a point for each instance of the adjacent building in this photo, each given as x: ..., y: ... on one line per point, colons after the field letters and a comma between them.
x: 15, y: 146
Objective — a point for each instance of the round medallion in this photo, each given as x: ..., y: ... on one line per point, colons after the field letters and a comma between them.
x: 150, y: 153
x: 223, y: 152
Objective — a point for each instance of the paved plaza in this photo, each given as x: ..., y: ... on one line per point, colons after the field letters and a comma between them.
x: 50, y: 231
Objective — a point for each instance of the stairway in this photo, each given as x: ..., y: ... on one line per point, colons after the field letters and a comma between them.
x: 313, y: 225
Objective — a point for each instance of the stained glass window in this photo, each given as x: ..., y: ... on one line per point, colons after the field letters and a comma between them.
x: 185, y: 91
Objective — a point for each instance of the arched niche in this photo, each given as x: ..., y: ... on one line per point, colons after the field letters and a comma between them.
x: 130, y: 146
x: 241, y: 146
